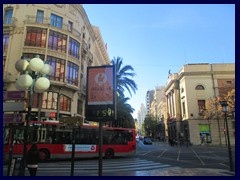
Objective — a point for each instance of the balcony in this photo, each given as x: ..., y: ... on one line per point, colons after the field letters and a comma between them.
x: 82, y: 92
x: 9, y: 24
x: 84, y: 47
x: 34, y: 20
x: 90, y: 57
x: 9, y: 21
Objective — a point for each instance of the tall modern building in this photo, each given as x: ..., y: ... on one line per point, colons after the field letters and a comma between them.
x: 65, y: 39
x: 149, y: 99
x: 187, y: 93
x: 142, y: 112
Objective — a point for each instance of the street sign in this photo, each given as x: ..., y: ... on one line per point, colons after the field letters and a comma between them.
x: 71, y: 121
x: 14, y: 95
x: 12, y: 118
x: 14, y: 106
x: 101, y: 93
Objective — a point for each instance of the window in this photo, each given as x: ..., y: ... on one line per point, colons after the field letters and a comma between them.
x: 183, y: 107
x: 40, y: 15
x: 70, y: 26
x: 5, y: 42
x: 199, y: 87
x: 58, y: 67
x: 4, y: 62
x: 72, y: 74
x: 30, y: 56
x: 73, y: 48
x: 57, y: 41
x: 80, y: 107
x: 56, y: 21
x: 36, y: 37
x: 65, y: 103
x: 8, y: 16
x: 49, y: 100
x: 201, y: 107
x: 229, y: 82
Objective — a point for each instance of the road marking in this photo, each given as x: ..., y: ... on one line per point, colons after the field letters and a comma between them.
x: 147, y: 153
x: 178, y: 154
x: 223, y: 164
x: 162, y: 153
x: 108, y: 166
x: 198, y: 157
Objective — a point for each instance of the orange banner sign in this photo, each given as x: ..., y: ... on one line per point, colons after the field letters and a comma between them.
x: 100, y: 86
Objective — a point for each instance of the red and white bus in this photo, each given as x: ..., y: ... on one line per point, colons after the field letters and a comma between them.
x: 56, y: 142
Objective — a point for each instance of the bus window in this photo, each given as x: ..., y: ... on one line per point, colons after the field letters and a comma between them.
x: 19, y: 136
x: 6, y: 135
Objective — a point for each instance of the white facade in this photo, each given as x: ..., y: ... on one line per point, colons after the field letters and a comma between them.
x: 187, y: 92
x: 142, y: 112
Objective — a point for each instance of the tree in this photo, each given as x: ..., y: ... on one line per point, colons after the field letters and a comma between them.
x: 230, y: 98
x: 213, y: 109
x: 124, y: 110
x: 123, y: 75
x: 150, y: 125
x: 124, y: 81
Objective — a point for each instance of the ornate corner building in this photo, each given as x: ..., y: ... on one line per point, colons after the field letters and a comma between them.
x: 64, y: 38
x: 186, y: 94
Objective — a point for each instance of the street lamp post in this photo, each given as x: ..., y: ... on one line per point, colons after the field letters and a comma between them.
x: 33, y: 79
x: 224, y: 109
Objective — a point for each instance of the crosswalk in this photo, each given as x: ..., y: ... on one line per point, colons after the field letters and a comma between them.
x: 91, y: 166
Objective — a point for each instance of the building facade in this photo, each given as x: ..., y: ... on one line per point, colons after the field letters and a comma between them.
x: 64, y: 38
x: 187, y: 92
x: 149, y: 99
x: 142, y: 112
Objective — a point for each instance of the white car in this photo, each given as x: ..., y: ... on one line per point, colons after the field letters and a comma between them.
x: 137, y: 138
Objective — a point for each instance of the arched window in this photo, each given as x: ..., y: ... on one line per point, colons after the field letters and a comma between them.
x: 199, y: 87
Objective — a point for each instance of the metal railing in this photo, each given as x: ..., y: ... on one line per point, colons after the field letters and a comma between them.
x: 9, y: 21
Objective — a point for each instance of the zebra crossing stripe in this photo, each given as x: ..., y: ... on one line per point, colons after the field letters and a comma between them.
x: 107, y: 166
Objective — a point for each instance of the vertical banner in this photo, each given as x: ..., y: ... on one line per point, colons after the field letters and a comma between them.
x: 100, y: 102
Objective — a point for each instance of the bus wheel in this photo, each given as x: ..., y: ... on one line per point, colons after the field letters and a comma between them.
x: 44, y: 155
x: 109, y: 154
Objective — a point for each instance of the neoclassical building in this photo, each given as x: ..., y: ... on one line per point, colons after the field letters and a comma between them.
x: 187, y: 92
x: 64, y: 38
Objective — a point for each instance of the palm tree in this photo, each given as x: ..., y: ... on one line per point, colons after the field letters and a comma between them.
x: 122, y: 77
x: 124, y: 110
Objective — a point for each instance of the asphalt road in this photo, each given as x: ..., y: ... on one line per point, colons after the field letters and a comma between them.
x: 198, y: 156
x: 158, y: 159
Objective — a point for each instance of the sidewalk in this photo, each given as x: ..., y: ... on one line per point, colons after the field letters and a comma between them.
x: 177, y: 171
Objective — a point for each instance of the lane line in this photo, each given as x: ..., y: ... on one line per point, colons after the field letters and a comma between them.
x: 198, y: 157
x: 162, y: 153
x: 179, y: 154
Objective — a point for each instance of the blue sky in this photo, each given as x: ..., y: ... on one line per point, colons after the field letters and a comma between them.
x: 156, y: 38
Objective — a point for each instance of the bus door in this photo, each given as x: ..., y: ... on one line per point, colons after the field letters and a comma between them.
x: 131, y: 141
x: 18, y: 141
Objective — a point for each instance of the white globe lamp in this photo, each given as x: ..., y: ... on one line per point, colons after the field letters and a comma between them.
x: 47, y: 69
x: 36, y: 64
x: 21, y: 65
x: 42, y: 84
x: 24, y: 81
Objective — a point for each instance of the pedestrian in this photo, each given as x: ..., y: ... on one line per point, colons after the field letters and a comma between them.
x: 33, y: 157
